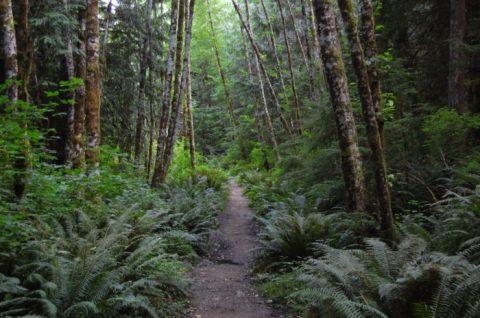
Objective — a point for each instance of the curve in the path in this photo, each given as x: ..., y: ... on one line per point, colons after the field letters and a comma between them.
x: 222, y: 286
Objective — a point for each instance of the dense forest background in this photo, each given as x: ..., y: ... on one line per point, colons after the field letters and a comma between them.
x: 353, y: 125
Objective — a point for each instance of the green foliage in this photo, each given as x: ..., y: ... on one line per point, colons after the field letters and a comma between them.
x: 103, y: 246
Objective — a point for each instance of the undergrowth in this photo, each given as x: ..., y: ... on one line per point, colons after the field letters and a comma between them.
x: 105, y: 245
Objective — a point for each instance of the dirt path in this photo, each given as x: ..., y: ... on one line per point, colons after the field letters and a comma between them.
x: 222, y: 287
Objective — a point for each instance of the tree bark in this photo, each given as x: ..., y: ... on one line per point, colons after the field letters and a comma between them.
x: 92, y: 85
x: 70, y: 66
x: 24, y: 51
x: 233, y: 118
x: 144, y: 56
x: 78, y: 153
x: 188, y: 12
x: 273, y: 41
x: 369, y: 42
x: 298, y: 121
x: 456, y: 76
x: 191, y: 129
x: 311, y: 78
x: 21, y: 163
x: 165, y: 111
x: 9, y: 49
x: 369, y: 115
x: 266, y: 113
x: 338, y: 87
x: 263, y: 69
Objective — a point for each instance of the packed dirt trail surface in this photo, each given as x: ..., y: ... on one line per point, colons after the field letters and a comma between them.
x: 222, y: 283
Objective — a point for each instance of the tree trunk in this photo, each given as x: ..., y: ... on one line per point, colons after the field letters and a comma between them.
x: 456, y: 76
x: 21, y: 164
x: 9, y: 49
x: 70, y: 66
x: 233, y: 118
x: 338, y: 87
x: 24, y: 51
x: 92, y: 85
x: 163, y: 124
x: 298, y: 122
x: 188, y: 12
x: 273, y: 41
x: 144, y: 57
x: 367, y: 35
x: 78, y: 154
x: 369, y: 115
x: 263, y: 69
x: 191, y: 130
x: 311, y: 79
x: 266, y: 113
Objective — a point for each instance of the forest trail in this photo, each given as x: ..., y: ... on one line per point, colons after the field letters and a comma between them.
x: 222, y: 285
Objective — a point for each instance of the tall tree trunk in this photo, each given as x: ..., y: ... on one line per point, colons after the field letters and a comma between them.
x: 191, y: 129
x: 266, y: 113
x: 177, y: 102
x: 144, y: 57
x: 456, y: 76
x: 311, y: 79
x: 273, y: 41
x: 369, y: 115
x: 92, y: 85
x: 103, y: 55
x: 21, y: 164
x: 78, y: 153
x: 24, y: 51
x: 369, y: 42
x: 70, y: 66
x: 233, y: 118
x: 298, y: 122
x: 338, y: 87
x: 165, y: 111
x: 263, y: 70
x: 9, y: 49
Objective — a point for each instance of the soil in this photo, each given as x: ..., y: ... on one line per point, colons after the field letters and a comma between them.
x: 223, y: 285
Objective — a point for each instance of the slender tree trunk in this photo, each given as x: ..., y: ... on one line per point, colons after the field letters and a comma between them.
x: 78, y: 154
x: 188, y: 12
x: 92, y: 85
x: 273, y: 41
x: 373, y: 133
x: 191, y: 129
x: 338, y: 87
x: 21, y: 164
x: 103, y: 55
x: 9, y: 49
x: 70, y: 66
x: 24, y: 51
x: 233, y: 119
x: 165, y: 111
x: 298, y: 121
x: 311, y: 79
x: 258, y: 121
x: 263, y: 69
x: 369, y: 42
x: 144, y: 57
x: 266, y: 113
x: 456, y: 76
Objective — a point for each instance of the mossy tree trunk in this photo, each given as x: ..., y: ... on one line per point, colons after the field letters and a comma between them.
x: 369, y: 115
x: 338, y: 88
x: 167, y: 88
x: 78, y: 146
x: 456, y: 76
x: 92, y: 85
x: 369, y: 42
x: 293, y: 83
